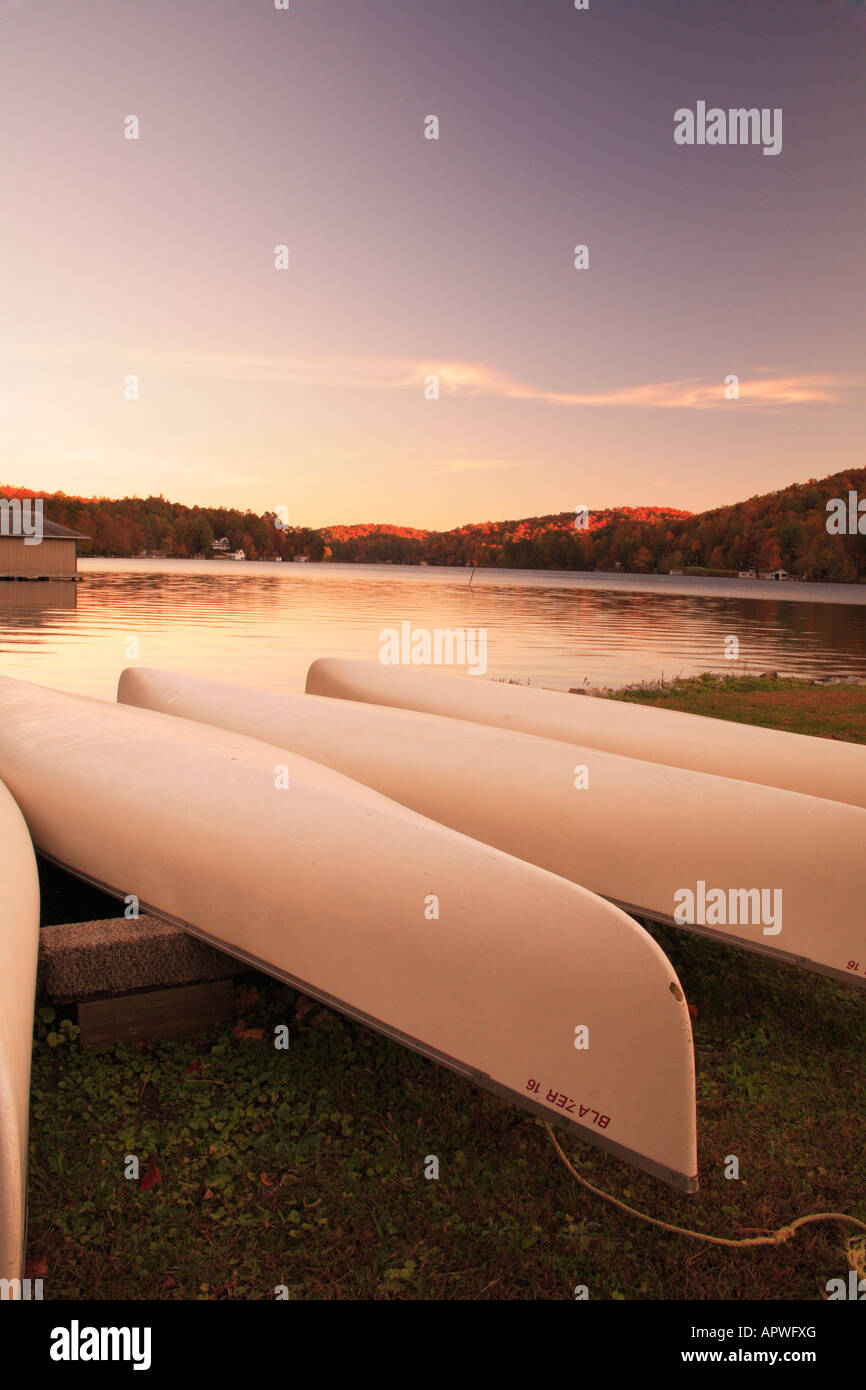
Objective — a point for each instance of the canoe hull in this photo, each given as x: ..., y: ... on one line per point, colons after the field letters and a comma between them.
x: 817, y: 767
x: 19, y: 946
x: 392, y: 919
x: 634, y: 832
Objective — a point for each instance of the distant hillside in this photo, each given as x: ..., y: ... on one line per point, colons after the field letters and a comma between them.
x: 538, y: 542
x: 784, y: 529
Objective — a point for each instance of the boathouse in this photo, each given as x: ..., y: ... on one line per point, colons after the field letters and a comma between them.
x: 55, y: 556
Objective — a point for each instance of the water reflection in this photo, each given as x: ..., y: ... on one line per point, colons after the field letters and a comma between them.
x: 266, y: 623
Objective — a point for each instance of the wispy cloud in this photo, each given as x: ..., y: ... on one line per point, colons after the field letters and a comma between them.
x: 767, y: 388
x: 689, y: 393
x: 478, y: 379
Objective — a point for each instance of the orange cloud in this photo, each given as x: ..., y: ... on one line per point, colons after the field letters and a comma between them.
x: 766, y: 388
x: 687, y: 394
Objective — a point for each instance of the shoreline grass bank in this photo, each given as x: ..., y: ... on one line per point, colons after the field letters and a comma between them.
x: 823, y: 709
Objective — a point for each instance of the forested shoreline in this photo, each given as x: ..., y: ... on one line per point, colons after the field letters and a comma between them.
x: 778, y: 530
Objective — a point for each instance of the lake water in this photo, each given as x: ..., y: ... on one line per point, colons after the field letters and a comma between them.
x: 264, y: 623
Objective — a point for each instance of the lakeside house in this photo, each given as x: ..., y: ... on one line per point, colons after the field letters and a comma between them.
x: 222, y: 550
x: 55, y: 556
x: 779, y: 575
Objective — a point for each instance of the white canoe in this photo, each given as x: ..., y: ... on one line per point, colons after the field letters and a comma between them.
x: 794, y: 762
x: 19, y: 948
x: 328, y: 885
x: 635, y: 832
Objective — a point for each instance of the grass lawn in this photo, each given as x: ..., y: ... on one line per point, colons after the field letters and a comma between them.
x: 801, y: 707
x: 305, y: 1167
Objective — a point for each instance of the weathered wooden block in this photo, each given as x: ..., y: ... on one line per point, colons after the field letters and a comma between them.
x: 180, y: 1012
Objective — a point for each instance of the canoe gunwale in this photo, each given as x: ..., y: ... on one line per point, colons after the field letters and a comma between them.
x: 680, y: 1182
x: 741, y: 943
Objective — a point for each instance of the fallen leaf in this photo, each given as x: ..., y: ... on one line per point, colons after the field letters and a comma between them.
x: 303, y: 1005
x: 240, y: 1030
x: 152, y: 1176
x: 268, y: 1182
x: 207, y: 1194
x: 36, y: 1268
x: 194, y: 1067
x: 170, y: 1281
x: 693, y: 1010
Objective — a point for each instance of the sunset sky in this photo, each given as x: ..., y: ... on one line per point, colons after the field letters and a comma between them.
x: 304, y: 387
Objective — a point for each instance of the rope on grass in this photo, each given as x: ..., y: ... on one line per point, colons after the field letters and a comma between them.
x: 855, y: 1246
x: 855, y: 1249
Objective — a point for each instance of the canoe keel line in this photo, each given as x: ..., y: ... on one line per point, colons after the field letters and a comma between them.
x: 489, y: 965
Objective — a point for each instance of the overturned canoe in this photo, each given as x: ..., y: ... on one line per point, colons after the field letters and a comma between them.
x: 794, y: 762
x: 663, y: 842
x: 486, y: 964
x: 19, y: 947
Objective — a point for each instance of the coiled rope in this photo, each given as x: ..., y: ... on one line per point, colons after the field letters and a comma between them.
x: 855, y: 1246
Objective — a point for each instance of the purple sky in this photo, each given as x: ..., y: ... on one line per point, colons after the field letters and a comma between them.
x: 305, y: 387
